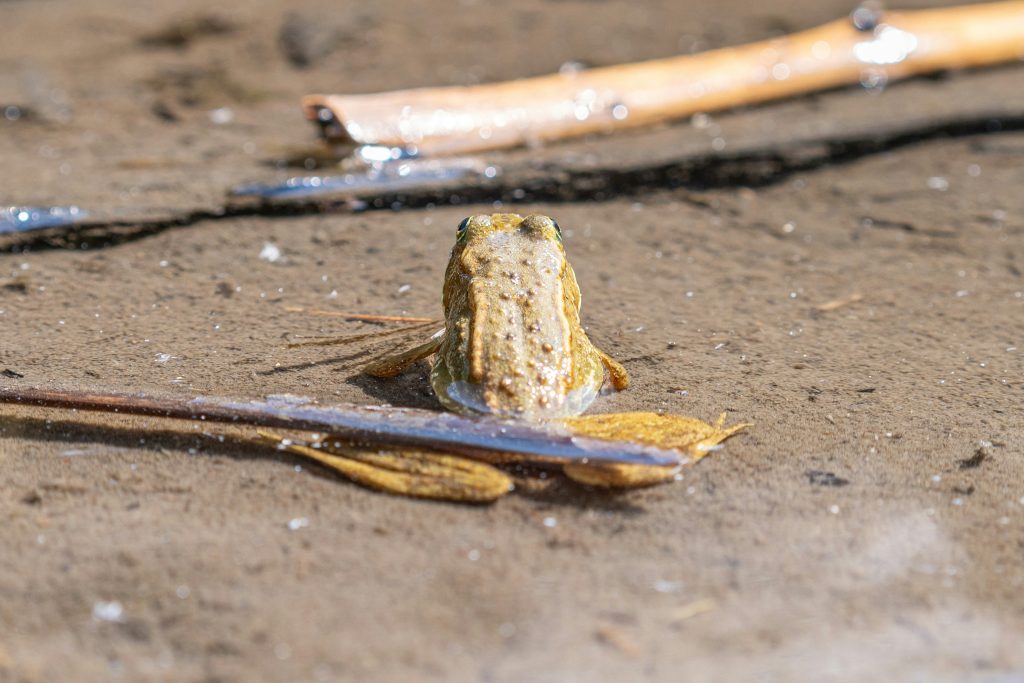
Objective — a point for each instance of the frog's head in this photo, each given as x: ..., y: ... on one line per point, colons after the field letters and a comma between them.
x: 477, y: 229
x: 512, y: 334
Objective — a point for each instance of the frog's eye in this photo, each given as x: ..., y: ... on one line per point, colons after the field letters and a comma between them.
x: 463, y: 226
x: 558, y: 230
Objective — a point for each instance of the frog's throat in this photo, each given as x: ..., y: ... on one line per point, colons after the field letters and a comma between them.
x: 469, y: 398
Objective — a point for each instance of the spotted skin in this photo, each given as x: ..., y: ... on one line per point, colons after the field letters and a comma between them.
x: 513, y: 345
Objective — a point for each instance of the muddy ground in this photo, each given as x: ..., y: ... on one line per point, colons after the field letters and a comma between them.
x: 869, y: 527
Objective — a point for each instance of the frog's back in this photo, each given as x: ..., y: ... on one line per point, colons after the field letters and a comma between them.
x: 513, y: 343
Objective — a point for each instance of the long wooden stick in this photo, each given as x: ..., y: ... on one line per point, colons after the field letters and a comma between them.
x: 867, y: 48
x: 481, y: 438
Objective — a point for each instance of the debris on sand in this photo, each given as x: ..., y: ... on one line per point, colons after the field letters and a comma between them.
x: 181, y: 32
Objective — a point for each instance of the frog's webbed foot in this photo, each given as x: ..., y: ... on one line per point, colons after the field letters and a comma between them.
x: 616, y: 373
x: 405, y: 471
x: 392, y: 364
x: 692, y: 438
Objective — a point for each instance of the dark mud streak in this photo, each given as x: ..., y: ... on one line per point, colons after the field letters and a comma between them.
x: 974, y: 461
x: 100, y: 234
x: 753, y: 169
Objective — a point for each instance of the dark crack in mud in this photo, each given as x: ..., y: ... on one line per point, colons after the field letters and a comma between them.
x: 755, y: 168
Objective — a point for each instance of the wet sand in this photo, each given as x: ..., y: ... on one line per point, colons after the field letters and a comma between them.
x: 869, y: 527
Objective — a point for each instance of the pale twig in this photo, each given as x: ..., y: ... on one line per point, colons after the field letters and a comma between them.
x: 870, y: 47
x: 838, y: 303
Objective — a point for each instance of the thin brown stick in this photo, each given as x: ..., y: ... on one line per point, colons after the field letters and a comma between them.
x: 352, y: 338
x: 881, y: 47
x: 482, y: 438
x: 363, y: 317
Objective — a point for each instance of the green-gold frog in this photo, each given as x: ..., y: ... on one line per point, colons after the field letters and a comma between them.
x: 512, y: 345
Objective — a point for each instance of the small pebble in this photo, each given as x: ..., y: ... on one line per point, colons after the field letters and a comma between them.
x: 663, y: 586
x: 270, y: 252
x: 112, y: 611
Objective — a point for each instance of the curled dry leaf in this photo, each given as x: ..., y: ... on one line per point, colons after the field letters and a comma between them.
x: 405, y: 471
x: 693, y: 439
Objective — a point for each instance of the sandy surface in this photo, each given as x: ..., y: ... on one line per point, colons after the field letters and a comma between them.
x: 870, y: 527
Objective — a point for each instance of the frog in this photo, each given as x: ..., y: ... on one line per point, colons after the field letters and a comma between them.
x: 513, y: 345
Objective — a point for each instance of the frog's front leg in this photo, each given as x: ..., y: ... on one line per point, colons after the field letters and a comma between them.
x: 392, y: 364
x: 616, y: 373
